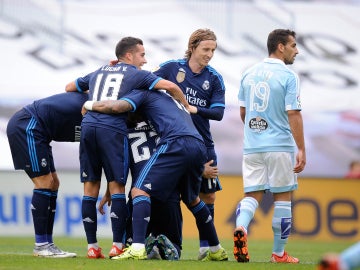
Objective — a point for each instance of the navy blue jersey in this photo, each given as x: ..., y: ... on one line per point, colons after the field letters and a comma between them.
x: 142, y: 143
x: 31, y: 130
x: 166, y: 115
x: 143, y: 140
x: 59, y: 115
x: 111, y: 83
x: 203, y: 90
x: 180, y: 154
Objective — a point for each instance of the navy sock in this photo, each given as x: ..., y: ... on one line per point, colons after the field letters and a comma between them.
x: 51, y: 220
x: 39, y: 208
x: 89, y: 216
x: 205, y: 223
x: 129, y: 233
x: 118, y: 215
x: 204, y: 242
x: 211, y: 208
x: 141, y: 218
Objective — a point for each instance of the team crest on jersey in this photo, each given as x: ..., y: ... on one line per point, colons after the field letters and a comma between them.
x: 43, y: 163
x: 206, y: 85
x: 180, y: 76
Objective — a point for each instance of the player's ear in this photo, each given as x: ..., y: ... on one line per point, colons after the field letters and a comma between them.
x: 281, y: 47
x: 129, y: 57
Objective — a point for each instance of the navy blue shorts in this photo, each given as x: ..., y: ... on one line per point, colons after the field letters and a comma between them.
x: 210, y: 185
x: 176, y: 164
x: 103, y: 149
x: 30, y: 148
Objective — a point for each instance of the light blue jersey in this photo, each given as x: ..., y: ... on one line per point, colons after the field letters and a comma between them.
x: 268, y: 90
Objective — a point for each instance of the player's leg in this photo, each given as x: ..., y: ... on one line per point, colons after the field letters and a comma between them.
x: 245, y: 211
x: 43, y: 207
x: 118, y: 215
x: 52, y: 212
x: 128, y: 230
x: 140, y: 219
x: 209, y: 187
x: 282, y: 181
x: 190, y: 187
x: 350, y: 256
x: 151, y: 178
x: 114, y: 156
x: 53, y: 198
x: 159, y: 178
x: 52, y: 206
x: 348, y: 259
x: 31, y: 152
x: 89, y: 218
x: 166, y: 226
x: 206, y: 227
x: 90, y: 174
x: 26, y: 144
x: 40, y: 203
x: 254, y: 180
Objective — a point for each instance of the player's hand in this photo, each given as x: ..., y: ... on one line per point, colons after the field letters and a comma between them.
x: 105, y: 200
x: 192, y: 109
x: 210, y: 171
x: 83, y: 111
x: 113, y: 62
x: 300, y: 161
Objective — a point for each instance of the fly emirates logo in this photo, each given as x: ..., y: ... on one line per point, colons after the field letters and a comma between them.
x: 191, y: 97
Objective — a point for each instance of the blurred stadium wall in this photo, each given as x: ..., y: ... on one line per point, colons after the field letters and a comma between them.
x: 324, y: 209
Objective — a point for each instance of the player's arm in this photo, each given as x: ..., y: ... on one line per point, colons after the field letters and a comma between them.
x: 71, y: 87
x: 214, y: 113
x: 242, y: 113
x: 108, y: 106
x: 174, y: 90
x: 216, y: 108
x: 106, y: 199
x: 297, y: 130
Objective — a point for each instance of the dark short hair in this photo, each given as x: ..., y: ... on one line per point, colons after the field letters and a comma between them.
x: 278, y: 36
x: 125, y: 45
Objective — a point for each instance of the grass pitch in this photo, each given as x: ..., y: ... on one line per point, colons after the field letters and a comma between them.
x: 16, y: 253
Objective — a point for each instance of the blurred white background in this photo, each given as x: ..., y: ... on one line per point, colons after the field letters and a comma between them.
x: 46, y: 44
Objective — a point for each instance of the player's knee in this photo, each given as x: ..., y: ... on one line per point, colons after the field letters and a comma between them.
x: 208, y: 198
x: 138, y: 192
x: 193, y: 203
x: 43, y: 182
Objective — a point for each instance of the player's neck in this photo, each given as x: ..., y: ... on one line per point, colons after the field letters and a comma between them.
x: 195, y: 66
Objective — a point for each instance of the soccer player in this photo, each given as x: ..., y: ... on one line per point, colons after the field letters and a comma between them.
x: 270, y: 109
x: 30, y: 132
x: 349, y: 259
x: 103, y: 139
x: 164, y: 241
x: 205, y: 90
x: 178, y: 162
